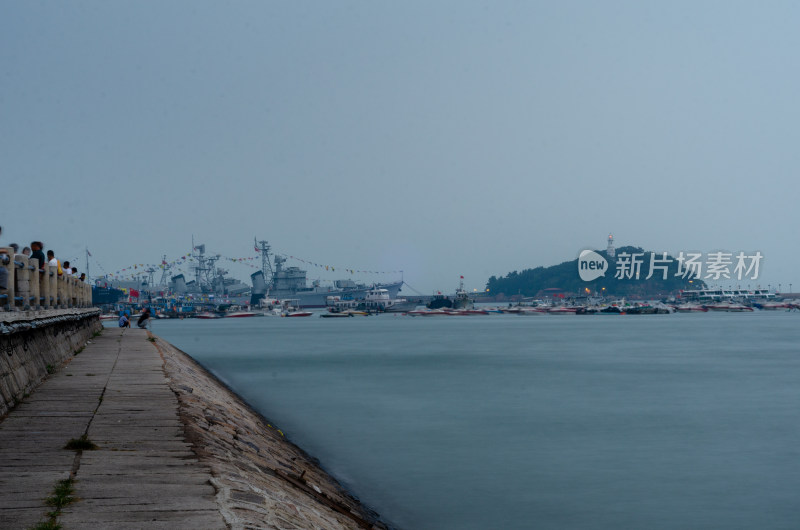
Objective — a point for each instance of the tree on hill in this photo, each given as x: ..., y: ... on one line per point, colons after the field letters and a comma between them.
x: 565, y: 276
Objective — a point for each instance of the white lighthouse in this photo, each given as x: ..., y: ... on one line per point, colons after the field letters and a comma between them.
x: 610, y: 249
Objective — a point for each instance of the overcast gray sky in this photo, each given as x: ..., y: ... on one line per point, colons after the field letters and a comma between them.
x: 440, y: 138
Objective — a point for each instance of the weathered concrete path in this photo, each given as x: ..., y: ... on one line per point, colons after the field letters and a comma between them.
x: 143, y: 475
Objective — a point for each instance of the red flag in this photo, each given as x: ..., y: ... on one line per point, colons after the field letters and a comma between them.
x: 134, y: 293
x: 256, y: 249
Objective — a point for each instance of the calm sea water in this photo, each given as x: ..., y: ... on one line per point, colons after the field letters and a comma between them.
x: 502, y: 421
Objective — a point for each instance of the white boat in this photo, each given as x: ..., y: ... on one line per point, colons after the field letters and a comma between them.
x: 279, y: 308
x: 376, y: 299
x: 297, y: 314
x: 379, y: 299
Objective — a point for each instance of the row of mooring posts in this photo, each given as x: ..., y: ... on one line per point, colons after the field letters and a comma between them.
x: 31, y: 287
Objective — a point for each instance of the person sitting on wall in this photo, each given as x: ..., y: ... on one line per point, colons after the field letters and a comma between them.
x: 37, y: 253
x: 51, y: 260
x: 67, y: 269
x: 144, y: 318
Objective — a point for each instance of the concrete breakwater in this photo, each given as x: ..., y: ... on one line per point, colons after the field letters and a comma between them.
x: 262, y: 479
x: 172, y: 447
x: 34, y: 343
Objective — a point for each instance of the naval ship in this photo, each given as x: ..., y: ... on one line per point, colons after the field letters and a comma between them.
x: 291, y: 283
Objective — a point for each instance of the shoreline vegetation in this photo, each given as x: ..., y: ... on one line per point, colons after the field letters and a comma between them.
x: 262, y: 479
x: 535, y: 282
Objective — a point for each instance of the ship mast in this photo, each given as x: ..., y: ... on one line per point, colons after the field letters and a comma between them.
x: 266, y: 265
x: 164, y: 270
x: 150, y: 271
x: 204, y: 270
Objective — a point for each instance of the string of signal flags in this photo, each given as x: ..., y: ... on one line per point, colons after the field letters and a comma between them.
x: 138, y: 269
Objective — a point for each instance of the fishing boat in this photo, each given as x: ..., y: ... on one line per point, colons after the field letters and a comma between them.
x: 461, y: 300
x: 379, y: 299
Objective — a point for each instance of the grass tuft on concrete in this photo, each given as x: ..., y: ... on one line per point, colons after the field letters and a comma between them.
x: 62, y: 496
x: 81, y: 444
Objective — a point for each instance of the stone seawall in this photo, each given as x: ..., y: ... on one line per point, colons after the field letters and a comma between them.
x: 262, y: 479
x: 35, y: 343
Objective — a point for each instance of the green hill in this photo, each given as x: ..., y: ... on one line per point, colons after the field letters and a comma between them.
x: 564, y: 276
